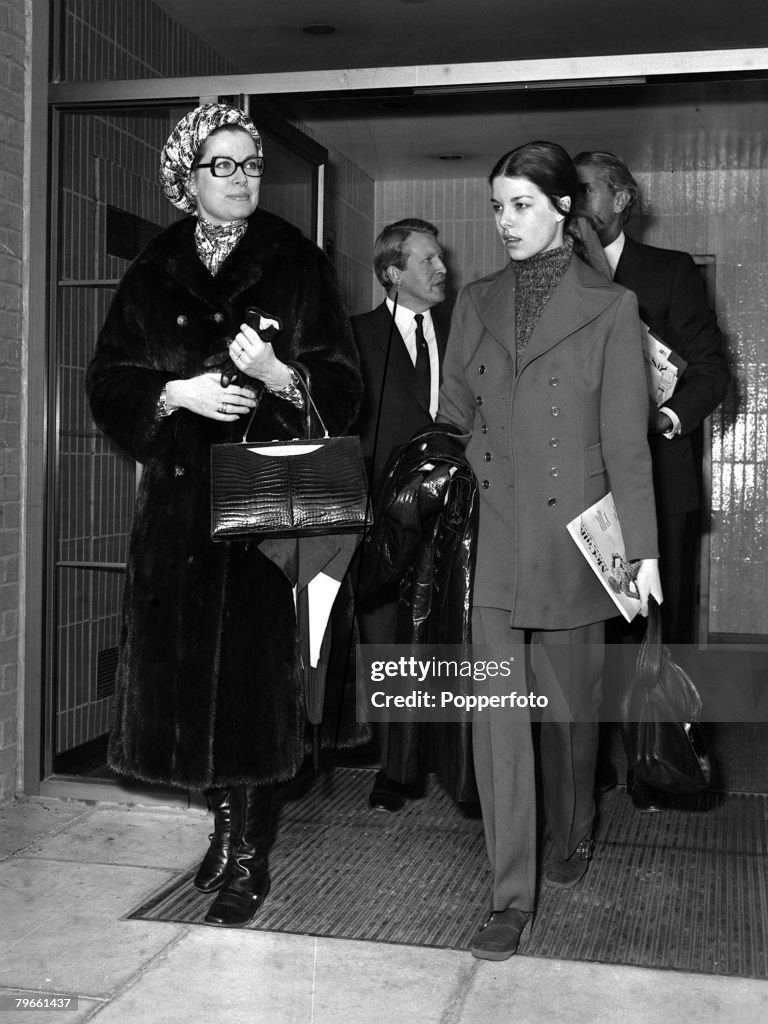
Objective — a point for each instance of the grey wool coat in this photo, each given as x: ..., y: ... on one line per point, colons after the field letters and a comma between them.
x: 548, y: 438
x: 209, y: 686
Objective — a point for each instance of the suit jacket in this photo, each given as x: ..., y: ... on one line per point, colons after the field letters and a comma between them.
x: 403, y: 411
x: 673, y: 302
x: 549, y: 440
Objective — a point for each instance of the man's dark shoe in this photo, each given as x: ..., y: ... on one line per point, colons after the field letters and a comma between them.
x: 387, y: 795
x: 644, y: 798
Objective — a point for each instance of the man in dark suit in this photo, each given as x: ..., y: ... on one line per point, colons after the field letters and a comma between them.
x: 401, y: 345
x: 674, y: 305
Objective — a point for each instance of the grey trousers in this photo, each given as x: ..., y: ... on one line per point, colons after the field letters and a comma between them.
x: 565, y: 666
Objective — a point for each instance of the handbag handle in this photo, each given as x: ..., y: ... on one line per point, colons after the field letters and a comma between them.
x: 302, y: 375
x: 649, y: 657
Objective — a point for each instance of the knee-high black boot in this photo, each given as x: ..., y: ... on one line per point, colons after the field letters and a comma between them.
x: 211, y: 873
x: 247, y: 878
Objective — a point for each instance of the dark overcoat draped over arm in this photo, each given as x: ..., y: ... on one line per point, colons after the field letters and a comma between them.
x: 549, y: 438
x: 209, y: 688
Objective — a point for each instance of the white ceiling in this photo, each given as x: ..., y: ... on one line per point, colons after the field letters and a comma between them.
x: 400, y: 133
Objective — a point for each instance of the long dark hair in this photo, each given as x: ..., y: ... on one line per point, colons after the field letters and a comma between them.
x: 550, y: 168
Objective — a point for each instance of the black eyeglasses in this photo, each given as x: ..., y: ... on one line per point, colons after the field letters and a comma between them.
x: 225, y: 166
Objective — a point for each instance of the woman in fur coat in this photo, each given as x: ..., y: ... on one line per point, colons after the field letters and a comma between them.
x: 209, y: 687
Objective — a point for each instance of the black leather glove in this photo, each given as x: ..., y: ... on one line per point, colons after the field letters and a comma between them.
x: 222, y: 360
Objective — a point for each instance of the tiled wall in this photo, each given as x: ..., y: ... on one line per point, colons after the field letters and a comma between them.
x: 126, y: 39
x: 107, y: 159
x: 349, y: 228
x: 716, y: 205
x: 722, y: 211
x: 13, y: 48
x: 110, y: 159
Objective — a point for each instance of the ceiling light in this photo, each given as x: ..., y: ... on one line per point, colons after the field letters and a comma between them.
x: 319, y: 30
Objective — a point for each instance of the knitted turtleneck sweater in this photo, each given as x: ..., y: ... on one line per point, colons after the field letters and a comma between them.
x: 536, y: 278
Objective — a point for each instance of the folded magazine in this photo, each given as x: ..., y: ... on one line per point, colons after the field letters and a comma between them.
x: 663, y: 366
x: 597, y: 533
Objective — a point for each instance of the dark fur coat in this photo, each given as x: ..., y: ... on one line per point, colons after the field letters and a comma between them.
x: 209, y: 689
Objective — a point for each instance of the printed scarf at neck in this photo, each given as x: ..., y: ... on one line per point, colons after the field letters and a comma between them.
x: 215, y: 242
x: 536, y: 278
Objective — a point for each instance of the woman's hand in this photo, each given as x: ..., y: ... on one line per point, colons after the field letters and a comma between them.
x: 648, y: 582
x: 257, y: 359
x: 205, y: 396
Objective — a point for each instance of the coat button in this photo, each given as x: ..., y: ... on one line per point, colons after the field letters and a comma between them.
x: 554, y: 381
x: 487, y: 456
x: 485, y: 485
x: 484, y: 429
x: 555, y: 410
x: 552, y: 502
x: 554, y: 442
x: 181, y: 320
x: 554, y: 471
x: 479, y: 400
x: 481, y: 368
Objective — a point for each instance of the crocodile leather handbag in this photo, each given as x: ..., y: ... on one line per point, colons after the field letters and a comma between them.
x: 300, y: 487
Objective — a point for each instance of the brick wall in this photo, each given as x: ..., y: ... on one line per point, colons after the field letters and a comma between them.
x: 12, y: 52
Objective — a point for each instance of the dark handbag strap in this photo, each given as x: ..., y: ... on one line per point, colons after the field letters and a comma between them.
x: 302, y: 375
x: 649, y: 656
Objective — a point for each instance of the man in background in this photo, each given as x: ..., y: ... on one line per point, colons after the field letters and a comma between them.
x: 401, y: 344
x: 673, y: 303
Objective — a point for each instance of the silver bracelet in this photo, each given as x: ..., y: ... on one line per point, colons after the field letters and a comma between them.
x: 291, y: 392
x: 162, y: 404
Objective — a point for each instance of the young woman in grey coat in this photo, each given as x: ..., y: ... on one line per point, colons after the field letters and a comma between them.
x: 544, y: 376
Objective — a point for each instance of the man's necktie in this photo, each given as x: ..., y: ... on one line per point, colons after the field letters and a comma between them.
x: 422, y: 367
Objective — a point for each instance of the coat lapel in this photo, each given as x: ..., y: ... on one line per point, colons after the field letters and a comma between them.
x: 494, y: 302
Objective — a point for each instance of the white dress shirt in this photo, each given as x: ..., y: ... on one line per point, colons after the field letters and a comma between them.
x: 406, y: 324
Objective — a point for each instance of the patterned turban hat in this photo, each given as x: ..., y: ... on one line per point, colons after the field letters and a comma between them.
x: 185, y: 140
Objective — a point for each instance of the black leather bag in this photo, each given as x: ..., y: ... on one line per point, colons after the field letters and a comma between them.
x: 664, y: 742
x: 296, y: 488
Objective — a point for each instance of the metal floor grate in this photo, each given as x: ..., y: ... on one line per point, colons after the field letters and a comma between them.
x: 685, y: 889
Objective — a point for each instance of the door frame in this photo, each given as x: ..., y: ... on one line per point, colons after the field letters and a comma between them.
x: 45, y: 99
